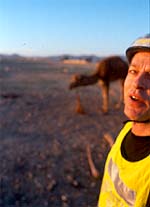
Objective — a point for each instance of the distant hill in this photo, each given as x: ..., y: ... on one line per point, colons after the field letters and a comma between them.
x: 19, y: 58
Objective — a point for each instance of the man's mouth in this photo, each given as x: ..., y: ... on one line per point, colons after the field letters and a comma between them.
x: 134, y: 98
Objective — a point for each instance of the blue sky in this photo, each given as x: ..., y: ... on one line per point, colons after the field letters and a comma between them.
x: 54, y: 27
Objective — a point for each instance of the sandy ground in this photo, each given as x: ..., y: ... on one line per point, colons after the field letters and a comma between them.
x: 43, y: 160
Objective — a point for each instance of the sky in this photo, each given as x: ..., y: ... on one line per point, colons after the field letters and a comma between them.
x: 77, y: 27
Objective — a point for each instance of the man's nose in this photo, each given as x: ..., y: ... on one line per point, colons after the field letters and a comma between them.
x: 139, y: 82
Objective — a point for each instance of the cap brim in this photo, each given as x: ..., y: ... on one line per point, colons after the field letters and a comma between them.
x: 131, y: 51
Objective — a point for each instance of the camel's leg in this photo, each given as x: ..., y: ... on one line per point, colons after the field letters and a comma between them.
x: 118, y: 105
x: 79, y: 107
x: 105, y: 95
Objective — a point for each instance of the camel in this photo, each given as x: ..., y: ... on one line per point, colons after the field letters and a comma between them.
x: 107, y: 70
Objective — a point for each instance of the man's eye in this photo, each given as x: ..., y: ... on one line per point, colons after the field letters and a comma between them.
x: 132, y: 71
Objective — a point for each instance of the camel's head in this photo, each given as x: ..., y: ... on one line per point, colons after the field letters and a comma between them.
x: 75, y: 81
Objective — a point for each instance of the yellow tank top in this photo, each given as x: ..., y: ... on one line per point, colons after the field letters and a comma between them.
x: 125, y: 184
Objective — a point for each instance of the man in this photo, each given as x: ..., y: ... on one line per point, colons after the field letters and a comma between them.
x: 126, y: 181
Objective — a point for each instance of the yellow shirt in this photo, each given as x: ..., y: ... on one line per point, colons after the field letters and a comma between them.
x: 125, y: 184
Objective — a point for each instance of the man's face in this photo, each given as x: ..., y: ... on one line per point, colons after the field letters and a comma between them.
x: 137, y: 88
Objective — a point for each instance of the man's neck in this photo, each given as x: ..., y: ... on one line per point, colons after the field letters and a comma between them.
x: 141, y: 129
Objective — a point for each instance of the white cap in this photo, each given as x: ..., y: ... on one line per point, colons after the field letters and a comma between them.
x: 140, y: 44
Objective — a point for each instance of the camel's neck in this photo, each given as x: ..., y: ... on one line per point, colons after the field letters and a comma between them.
x: 89, y: 79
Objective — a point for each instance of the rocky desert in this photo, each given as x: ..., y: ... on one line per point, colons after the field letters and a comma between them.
x: 43, y: 139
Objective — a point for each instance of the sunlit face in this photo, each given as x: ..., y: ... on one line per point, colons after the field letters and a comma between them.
x: 137, y: 88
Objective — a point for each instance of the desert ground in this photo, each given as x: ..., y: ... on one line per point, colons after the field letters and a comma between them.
x: 43, y: 159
